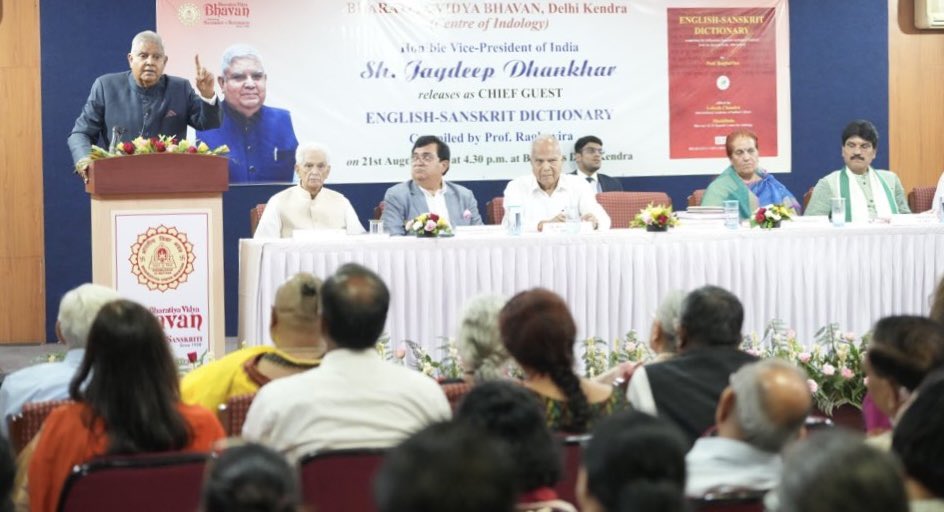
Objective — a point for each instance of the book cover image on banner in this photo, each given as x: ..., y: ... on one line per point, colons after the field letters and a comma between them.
x: 366, y: 78
x: 161, y: 261
x: 722, y: 77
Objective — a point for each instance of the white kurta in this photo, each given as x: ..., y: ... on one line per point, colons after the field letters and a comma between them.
x: 294, y: 208
x: 572, y: 192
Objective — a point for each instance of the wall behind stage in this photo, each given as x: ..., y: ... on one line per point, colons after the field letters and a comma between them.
x: 839, y: 60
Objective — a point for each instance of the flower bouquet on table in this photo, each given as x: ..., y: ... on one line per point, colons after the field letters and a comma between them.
x: 770, y: 216
x: 428, y: 225
x: 159, y: 144
x: 655, y: 218
x: 834, y: 362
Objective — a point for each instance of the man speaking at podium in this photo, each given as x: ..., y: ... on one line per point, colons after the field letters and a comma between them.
x: 142, y: 102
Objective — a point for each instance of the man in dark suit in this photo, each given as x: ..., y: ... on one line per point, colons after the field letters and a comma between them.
x: 588, y: 155
x: 143, y: 102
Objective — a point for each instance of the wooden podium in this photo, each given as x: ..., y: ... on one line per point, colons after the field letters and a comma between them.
x: 157, y: 238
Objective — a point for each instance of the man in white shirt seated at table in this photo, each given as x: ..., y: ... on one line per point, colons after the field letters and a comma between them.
x: 308, y: 205
x: 547, y: 196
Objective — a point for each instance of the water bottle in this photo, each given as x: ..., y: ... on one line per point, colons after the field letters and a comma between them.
x: 514, y: 220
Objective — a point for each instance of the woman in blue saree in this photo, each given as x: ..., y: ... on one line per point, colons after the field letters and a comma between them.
x: 744, y: 181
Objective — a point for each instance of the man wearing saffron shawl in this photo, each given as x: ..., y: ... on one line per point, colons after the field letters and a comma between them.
x: 744, y: 181
x: 869, y: 193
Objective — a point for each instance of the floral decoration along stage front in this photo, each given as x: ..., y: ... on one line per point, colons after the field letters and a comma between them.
x: 159, y: 144
x: 428, y: 225
x: 655, y: 218
x: 770, y: 216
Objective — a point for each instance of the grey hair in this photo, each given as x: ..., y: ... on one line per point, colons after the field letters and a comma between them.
x: 752, y: 406
x: 239, y: 51
x: 77, y: 311
x: 834, y: 471
x: 668, y: 313
x: 147, y: 36
x: 479, y: 340
x: 544, y: 137
x: 312, y: 146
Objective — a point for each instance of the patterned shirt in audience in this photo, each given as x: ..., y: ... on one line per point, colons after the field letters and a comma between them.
x: 558, y: 413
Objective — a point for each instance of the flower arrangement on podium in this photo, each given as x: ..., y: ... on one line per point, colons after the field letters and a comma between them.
x: 159, y: 144
x: 428, y: 225
x: 770, y: 216
x: 655, y: 218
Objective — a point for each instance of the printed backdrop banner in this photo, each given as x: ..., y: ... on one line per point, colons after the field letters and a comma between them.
x: 661, y: 82
x: 161, y: 261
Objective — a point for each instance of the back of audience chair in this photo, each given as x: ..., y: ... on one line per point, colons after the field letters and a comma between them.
x: 232, y: 414
x: 254, y: 215
x: 455, y: 392
x: 571, y: 453
x: 142, y: 483
x: 495, y: 210
x: 920, y: 199
x: 735, y: 501
x: 340, y: 480
x: 26, y: 424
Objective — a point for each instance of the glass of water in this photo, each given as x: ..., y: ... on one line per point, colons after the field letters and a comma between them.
x: 837, y: 211
x: 732, y: 217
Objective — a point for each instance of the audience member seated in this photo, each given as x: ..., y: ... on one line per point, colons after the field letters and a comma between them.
x: 308, y: 205
x: 686, y: 388
x: 511, y: 414
x: 130, y: 404
x: 296, y: 331
x: 428, y: 192
x: 869, y: 193
x: 634, y: 461
x: 50, y: 381
x: 663, y: 340
x: 354, y: 399
x: 902, y: 351
x: 759, y: 413
x: 7, y: 475
x: 479, y: 341
x: 834, y: 471
x: 447, y: 466
x: 744, y: 181
x: 546, y: 196
x: 250, y: 478
x: 919, y: 445
x: 539, y: 332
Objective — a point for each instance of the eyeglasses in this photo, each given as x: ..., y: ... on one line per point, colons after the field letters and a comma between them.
x: 593, y: 151
x: 852, y: 146
x: 426, y: 157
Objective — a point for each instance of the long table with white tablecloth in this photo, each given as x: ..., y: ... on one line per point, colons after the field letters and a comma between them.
x: 806, y: 273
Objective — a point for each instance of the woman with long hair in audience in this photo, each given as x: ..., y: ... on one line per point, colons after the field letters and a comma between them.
x: 512, y: 415
x: 633, y: 462
x: 127, y: 401
x: 902, y: 351
x: 539, y: 332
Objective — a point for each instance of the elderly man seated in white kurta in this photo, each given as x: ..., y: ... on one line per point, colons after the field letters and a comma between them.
x: 308, y: 205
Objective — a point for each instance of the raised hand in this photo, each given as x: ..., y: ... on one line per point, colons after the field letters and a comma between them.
x: 204, y: 79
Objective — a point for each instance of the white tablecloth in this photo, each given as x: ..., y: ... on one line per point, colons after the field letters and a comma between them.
x: 807, y: 274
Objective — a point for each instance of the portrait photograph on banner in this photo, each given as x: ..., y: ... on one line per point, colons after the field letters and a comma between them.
x: 662, y: 82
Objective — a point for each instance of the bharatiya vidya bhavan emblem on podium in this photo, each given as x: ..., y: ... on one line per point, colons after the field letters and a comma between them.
x: 162, y: 258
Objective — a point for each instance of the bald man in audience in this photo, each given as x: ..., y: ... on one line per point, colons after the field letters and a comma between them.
x: 760, y: 412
